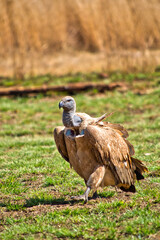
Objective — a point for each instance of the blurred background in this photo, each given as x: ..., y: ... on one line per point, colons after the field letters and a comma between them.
x: 65, y: 37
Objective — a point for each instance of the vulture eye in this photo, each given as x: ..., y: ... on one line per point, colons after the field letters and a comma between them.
x: 69, y: 100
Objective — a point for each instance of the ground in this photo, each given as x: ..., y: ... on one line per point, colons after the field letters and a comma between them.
x: 36, y: 184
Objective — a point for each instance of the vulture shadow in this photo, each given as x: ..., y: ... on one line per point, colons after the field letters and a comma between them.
x: 58, y: 201
x: 31, y: 202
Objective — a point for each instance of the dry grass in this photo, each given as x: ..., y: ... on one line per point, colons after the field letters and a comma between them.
x: 84, y: 62
x: 38, y: 28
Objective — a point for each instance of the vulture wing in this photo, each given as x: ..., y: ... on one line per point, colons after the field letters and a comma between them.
x: 123, y: 132
x: 60, y: 142
x: 111, y: 149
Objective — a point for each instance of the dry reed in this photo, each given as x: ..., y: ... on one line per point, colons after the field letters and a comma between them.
x: 34, y: 29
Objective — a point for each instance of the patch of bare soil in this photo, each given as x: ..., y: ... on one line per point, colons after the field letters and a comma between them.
x: 155, y: 236
x: 37, y: 206
x: 57, y: 203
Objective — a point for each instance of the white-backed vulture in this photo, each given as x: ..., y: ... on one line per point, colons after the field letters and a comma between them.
x: 98, y: 151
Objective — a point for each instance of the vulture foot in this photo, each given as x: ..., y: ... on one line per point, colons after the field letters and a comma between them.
x: 83, y: 197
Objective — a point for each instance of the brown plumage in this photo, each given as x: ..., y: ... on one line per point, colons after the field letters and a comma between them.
x: 101, y: 155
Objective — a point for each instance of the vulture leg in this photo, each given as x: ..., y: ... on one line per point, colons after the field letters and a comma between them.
x: 96, y: 177
x: 83, y: 196
x: 93, y: 182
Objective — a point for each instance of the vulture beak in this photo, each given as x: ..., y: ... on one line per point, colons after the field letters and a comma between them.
x: 61, y: 104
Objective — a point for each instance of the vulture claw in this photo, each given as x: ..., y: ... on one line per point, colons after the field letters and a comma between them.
x: 83, y: 197
x: 80, y: 197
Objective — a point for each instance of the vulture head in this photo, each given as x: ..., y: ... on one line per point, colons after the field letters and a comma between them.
x: 68, y: 104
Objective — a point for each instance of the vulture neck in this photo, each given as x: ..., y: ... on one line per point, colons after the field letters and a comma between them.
x: 68, y: 117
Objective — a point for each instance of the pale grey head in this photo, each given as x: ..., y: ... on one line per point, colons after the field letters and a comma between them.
x: 69, y: 117
x: 68, y: 104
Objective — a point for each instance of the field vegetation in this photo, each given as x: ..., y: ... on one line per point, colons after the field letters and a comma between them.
x: 36, y: 184
x: 59, y: 37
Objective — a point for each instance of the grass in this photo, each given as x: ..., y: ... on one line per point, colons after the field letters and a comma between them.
x: 36, y: 184
x: 29, y: 28
x: 31, y: 39
x: 140, y: 80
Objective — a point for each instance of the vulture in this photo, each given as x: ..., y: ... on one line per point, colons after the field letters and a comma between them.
x: 98, y: 151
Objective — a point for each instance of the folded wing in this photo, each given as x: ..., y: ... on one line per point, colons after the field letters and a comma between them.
x: 112, y: 150
x: 60, y: 142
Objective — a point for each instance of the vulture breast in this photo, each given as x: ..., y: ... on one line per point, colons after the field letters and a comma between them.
x: 81, y: 156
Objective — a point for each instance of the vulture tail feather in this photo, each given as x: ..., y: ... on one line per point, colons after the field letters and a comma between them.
x: 140, y: 167
x: 130, y: 189
x: 139, y: 176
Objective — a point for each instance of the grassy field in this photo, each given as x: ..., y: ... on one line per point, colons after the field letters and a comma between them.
x: 36, y: 184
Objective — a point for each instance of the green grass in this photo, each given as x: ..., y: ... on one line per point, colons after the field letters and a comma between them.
x: 142, y: 79
x: 36, y: 183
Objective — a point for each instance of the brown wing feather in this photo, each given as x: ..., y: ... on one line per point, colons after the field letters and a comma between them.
x: 123, y: 132
x: 60, y: 142
x: 119, y: 128
x: 111, y: 150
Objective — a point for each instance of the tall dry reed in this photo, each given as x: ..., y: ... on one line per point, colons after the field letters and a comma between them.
x: 28, y: 28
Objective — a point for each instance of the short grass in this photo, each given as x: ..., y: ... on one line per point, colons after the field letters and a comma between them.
x: 36, y: 183
x: 142, y: 79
